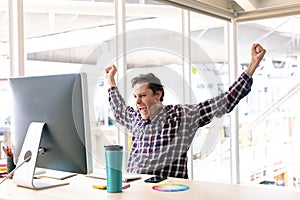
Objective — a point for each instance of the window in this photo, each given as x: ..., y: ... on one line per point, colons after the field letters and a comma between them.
x: 5, y: 111
x: 269, y: 134
x: 69, y: 37
x: 209, y: 77
x: 4, y: 40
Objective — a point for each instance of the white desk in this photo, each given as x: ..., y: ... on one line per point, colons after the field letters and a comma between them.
x: 80, y: 187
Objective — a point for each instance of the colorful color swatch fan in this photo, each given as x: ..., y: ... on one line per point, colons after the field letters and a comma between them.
x: 170, y: 187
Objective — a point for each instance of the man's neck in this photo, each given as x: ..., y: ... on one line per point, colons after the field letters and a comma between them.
x: 154, y: 110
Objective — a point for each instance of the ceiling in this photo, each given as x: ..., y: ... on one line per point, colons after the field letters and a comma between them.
x: 241, y: 10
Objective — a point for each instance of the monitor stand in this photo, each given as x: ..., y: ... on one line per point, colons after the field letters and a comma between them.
x: 25, y: 169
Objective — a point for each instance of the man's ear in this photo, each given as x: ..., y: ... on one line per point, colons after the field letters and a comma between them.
x: 158, y: 94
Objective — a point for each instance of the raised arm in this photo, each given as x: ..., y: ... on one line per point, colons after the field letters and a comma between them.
x: 123, y: 114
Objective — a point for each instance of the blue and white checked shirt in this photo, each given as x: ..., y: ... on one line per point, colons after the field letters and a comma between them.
x: 160, y: 146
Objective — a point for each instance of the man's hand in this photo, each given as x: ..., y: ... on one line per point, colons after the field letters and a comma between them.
x: 257, y: 54
x: 110, y: 75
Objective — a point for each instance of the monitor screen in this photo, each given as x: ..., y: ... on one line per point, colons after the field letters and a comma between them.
x: 61, y: 102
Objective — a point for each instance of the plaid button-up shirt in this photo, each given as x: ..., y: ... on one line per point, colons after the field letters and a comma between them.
x: 160, y: 146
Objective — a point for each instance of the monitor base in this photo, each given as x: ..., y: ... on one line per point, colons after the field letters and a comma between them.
x: 25, y: 169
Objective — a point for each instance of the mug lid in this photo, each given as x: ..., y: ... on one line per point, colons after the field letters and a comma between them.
x: 114, y: 147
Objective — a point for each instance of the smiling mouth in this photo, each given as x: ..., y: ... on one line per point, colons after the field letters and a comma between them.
x: 143, y: 110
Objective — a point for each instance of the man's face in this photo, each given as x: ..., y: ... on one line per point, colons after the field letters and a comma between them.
x: 145, y: 99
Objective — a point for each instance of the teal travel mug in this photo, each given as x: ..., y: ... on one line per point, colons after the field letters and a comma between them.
x: 113, y: 158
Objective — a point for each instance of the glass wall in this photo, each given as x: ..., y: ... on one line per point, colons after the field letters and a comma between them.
x: 153, y: 44
x: 61, y: 35
x: 68, y: 37
x: 209, y: 77
x: 269, y: 118
x: 5, y: 108
x: 4, y: 38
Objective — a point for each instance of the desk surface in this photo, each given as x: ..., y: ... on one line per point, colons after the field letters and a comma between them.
x: 80, y: 187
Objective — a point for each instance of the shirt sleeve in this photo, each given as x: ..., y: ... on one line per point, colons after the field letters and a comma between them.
x: 123, y: 114
x: 204, y: 112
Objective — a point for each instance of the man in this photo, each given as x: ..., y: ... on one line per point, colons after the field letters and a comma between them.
x: 162, y: 134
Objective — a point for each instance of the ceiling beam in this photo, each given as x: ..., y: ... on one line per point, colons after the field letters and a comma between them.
x: 247, y: 5
x: 217, y: 9
x: 269, y: 12
x: 273, y: 3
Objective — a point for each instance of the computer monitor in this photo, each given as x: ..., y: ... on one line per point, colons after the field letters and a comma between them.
x: 59, y: 103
